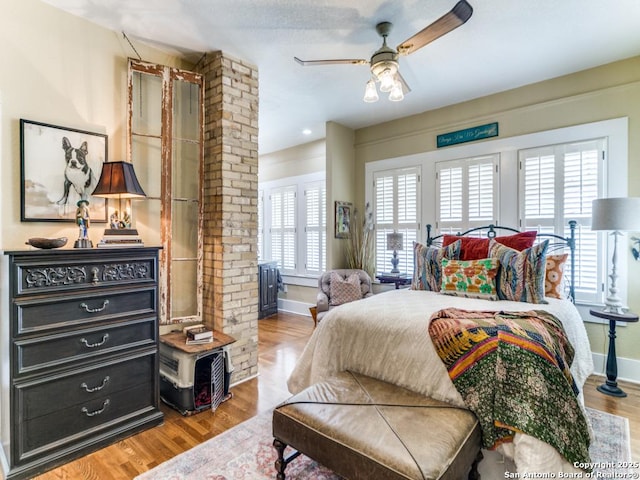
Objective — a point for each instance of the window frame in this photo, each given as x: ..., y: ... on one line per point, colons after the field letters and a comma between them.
x: 300, y: 182
x: 615, y: 130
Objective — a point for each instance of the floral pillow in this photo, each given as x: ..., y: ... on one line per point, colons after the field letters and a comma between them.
x: 470, y: 278
x: 427, y: 272
x: 344, y: 290
x: 553, y: 277
x: 521, y: 276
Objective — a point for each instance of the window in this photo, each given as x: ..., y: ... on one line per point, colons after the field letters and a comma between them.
x: 169, y: 165
x: 292, y: 224
x: 283, y: 227
x: 466, y: 192
x: 315, y: 198
x: 396, y: 201
x: 558, y: 184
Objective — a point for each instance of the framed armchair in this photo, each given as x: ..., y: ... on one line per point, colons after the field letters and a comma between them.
x: 336, y: 287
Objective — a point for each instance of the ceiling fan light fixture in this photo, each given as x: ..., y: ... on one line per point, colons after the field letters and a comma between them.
x: 396, y: 94
x: 371, y: 93
x: 387, y: 81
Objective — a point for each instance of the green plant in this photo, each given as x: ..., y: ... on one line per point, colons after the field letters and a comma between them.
x: 360, y: 248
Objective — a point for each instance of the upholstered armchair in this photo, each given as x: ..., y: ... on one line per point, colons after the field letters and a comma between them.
x: 336, y: 287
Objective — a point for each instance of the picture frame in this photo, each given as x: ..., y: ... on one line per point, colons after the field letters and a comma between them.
x: 60, y: 166
x: 343, y: 219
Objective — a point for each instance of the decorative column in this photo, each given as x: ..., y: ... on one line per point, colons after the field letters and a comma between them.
x: 230, y: 206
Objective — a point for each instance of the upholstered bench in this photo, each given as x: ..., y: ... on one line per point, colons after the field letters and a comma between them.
x: 363, y: 428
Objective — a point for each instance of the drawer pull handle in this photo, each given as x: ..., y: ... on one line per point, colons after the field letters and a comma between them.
x: 95, y: 389
x: 105, y: 337
x: 94, y: 310
x: 96, y: 412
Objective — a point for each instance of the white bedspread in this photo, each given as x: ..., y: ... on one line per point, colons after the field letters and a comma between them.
x: 386, y: 337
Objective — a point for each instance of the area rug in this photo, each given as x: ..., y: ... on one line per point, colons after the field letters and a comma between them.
x: 245, y: 453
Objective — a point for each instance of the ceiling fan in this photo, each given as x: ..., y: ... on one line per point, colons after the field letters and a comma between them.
x: 384, y: 62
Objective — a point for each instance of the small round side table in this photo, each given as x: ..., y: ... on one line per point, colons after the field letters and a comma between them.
x: 610, y: 387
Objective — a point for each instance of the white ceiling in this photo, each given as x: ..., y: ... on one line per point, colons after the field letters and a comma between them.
x: 505, y: 44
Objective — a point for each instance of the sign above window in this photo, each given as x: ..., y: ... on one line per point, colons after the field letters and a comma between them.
x: 468, y: 135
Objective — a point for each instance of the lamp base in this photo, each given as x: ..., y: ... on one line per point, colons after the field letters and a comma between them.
x: 394, y: 262
x: 83, y: 243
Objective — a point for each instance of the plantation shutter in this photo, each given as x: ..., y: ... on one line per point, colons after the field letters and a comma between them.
x: 315, y: 195
x: 558, y: 184
x: 283, y: 227
x: 260, y: 224
x: 466, y: 192
x: 396, y: 209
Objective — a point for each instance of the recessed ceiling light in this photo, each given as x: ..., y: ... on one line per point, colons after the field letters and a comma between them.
x: 306, y: 131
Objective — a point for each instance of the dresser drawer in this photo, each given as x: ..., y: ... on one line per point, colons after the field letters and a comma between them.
x: 85, y: 388
x: 67, y: 426
x: 46, y: 275
x: 33, y: 355
x: 76, y: 310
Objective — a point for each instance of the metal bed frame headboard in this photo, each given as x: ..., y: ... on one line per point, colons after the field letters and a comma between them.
x: 556, y: 243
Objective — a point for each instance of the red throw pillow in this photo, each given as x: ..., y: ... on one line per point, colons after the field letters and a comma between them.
x: 478, y: 248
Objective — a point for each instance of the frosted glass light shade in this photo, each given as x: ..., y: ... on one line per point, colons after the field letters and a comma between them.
x: 370, y: 93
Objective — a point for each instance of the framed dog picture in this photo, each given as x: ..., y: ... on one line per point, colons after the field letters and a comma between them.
x: 59, y: 167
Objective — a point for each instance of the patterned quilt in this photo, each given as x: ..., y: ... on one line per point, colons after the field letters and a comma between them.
x: 512, y: 371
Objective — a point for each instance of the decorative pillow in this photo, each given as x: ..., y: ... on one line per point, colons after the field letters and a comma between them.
x: 344, y: 290
x: 553, y: 281
x: 470, y: 278
x: 521, y: 276
x: 427, y: 273
x: 477, y: 248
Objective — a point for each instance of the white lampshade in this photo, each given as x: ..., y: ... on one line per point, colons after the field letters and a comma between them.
x: 370, y: 93
x: 616, y: 214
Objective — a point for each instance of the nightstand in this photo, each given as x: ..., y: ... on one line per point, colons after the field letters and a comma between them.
x: 610, y: 387
x: 399, y: 280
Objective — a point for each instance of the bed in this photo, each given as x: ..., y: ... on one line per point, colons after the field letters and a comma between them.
x: 386, y: 337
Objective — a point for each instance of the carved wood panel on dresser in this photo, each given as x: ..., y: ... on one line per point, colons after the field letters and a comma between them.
x: 80, y: 354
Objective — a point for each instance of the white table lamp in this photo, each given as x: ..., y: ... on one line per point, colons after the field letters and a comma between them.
x: 616, y: 215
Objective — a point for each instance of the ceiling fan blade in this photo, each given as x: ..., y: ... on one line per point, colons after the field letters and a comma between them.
x: 345, y: 61
x: 448, y: 22
x: 405, y: 86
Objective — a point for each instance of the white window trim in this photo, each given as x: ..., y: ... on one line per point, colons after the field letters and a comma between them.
x: 290, y: 277
x: 615, y: 130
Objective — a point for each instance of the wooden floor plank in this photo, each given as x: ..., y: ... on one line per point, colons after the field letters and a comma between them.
x: 281, y: 339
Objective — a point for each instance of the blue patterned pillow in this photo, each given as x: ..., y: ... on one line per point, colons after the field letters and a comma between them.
x: 427, y: 269
x: 521, y: 274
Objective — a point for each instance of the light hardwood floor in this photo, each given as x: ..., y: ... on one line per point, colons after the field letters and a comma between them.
x: 281, y: 339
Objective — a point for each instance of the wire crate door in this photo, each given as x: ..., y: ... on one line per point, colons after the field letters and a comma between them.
x: 217, y: 381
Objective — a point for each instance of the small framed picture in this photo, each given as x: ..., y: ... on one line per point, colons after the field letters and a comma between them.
x: 343, y: 219
x: 59, y: 167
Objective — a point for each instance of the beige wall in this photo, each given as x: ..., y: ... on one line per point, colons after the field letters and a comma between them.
x: 601, y: 93
x: 65, y: 71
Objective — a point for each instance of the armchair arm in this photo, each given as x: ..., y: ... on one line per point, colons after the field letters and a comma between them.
x: 322, y: 302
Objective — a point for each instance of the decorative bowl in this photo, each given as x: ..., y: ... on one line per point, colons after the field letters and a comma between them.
x: 40, y: 242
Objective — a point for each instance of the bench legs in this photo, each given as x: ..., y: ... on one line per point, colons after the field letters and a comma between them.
x: 474, y: 474
x: 282, y: 462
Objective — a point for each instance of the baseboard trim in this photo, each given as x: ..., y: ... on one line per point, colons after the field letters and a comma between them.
x: 293, y: 306
x: 628, y: 368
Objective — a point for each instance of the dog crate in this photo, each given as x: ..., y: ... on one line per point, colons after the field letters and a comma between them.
x: 192, y: 382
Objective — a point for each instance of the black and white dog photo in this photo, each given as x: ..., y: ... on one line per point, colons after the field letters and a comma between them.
x: 77, y: 172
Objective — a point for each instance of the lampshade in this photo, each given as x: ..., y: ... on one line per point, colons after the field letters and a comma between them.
x: 370, y: 93
x: 394, y: 241
x: 617, y: 214
x: 118, y: 180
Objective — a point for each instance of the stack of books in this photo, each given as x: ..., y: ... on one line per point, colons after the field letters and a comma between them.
x: 197, y: 334
x: 120, y: 237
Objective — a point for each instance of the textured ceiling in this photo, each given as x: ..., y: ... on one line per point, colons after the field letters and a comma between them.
x: 504, y: 45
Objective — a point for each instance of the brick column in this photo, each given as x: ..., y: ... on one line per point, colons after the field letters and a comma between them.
x: 230, y: 206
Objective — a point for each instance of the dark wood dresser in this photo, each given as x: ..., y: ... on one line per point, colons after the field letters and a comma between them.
x: 79, y: 353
